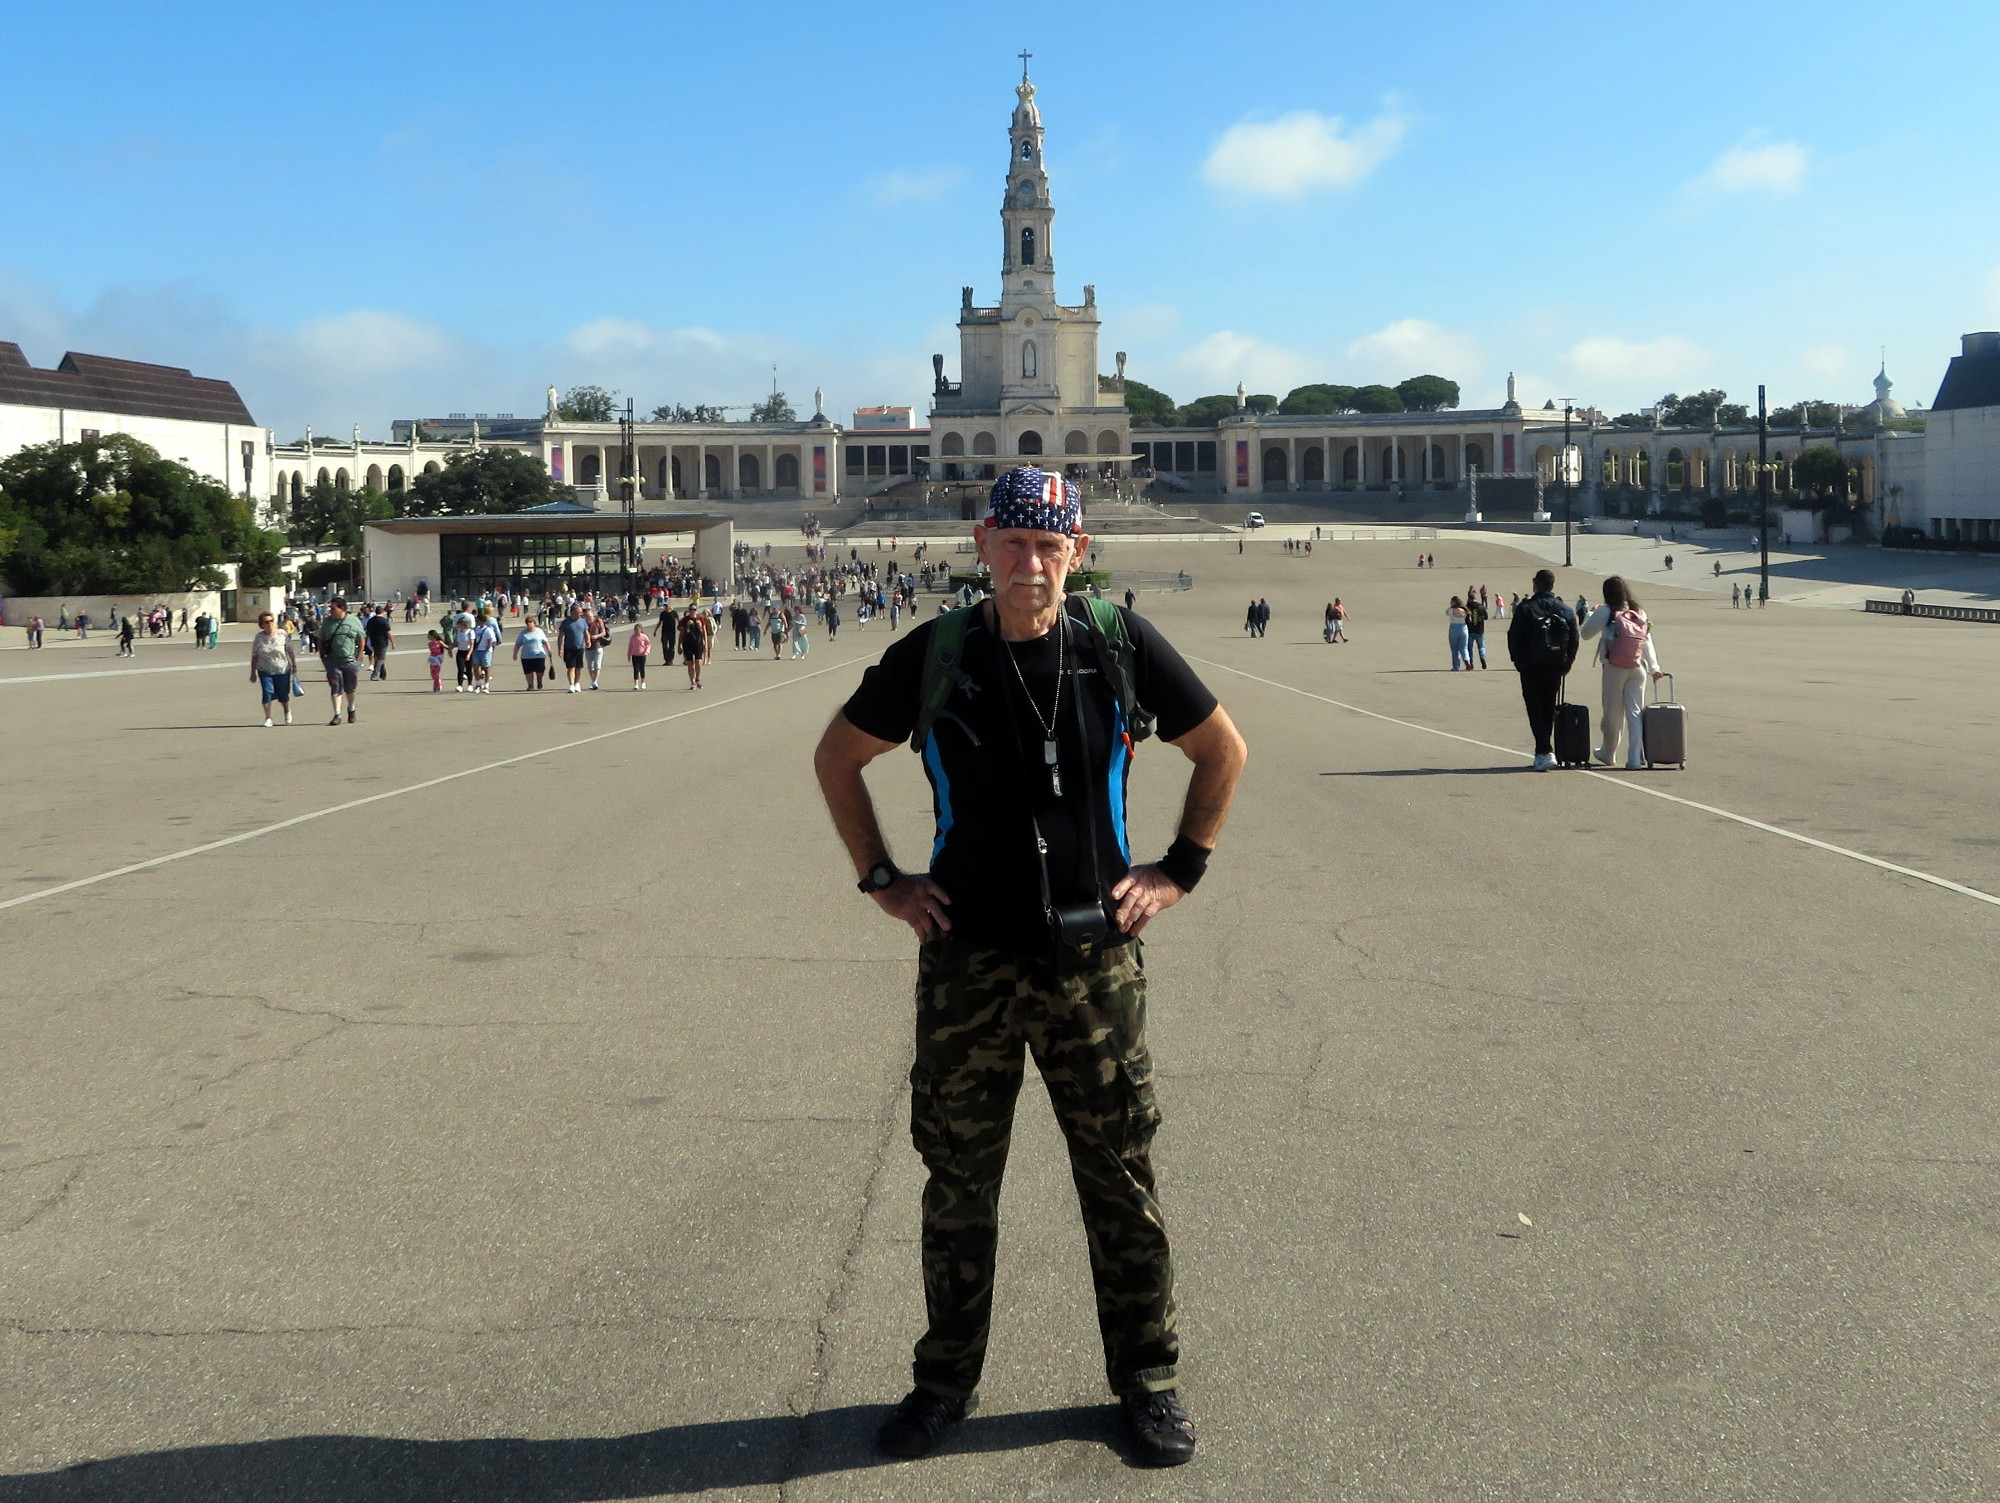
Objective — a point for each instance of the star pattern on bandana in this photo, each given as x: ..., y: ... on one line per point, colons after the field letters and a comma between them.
x: 1035, y: 499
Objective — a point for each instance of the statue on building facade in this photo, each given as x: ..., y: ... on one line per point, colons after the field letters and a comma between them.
x: 819, y: 403
x: 1119, y: 358
x: 554, y: 403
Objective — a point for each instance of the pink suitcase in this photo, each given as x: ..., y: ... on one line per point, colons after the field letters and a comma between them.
x: 1663, y: 726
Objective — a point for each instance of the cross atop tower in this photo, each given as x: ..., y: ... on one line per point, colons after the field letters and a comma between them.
x: 1025, y: 54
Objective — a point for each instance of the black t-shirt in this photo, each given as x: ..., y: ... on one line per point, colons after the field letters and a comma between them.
x: 984, y: 758
x: 378, y: 631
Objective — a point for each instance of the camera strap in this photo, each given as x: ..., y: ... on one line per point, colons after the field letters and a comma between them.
x: 1089, y: 786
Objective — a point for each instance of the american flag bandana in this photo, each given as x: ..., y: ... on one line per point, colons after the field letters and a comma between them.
x: 1035, y: 499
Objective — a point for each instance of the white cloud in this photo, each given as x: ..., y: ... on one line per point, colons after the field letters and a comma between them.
x: 1300, y: 153
x: 1827, y: 362
x: 1415, y: 347
x: 1218, y: 361
x: 890, y: 189
x: 1148, y: 321
x: 1749, y: 167
x: 1668, y: 359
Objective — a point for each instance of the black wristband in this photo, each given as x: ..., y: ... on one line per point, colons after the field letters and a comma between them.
x: 1184, y: 863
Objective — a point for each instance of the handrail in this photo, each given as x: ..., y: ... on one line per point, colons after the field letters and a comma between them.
x: 1934, y: 612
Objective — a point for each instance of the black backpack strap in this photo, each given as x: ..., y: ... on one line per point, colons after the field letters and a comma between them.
x: 1114, y: 655
x: 944, y: 671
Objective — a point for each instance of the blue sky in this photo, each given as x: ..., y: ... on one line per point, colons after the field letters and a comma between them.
x: 370, y: 211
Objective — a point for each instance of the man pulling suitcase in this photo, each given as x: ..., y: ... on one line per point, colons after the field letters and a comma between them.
x: 1542, y: 640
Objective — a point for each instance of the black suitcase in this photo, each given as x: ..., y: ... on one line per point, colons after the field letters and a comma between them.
x: 1572, y: 736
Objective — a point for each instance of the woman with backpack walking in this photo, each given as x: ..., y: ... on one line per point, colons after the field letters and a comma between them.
x: 1630, y: 661
x: 1458, y: 636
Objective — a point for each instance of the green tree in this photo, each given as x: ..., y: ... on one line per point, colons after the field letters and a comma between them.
x: 328, y: 517
x: 674, y: 412
x: 773, y: 409
x: 1318, y: 400
x: 483, y: 482
x: 1377, y: 399
x: 113, y: 516
x: 587, y: 404
x: 1631, y: 420
x: 1816, y: 414
x: 1149, y: 408
x: 1428, y: 393
x: 1822, y: 471
x: 1701, y: 409
x: 1206, y: 412
x: 1261, y: 402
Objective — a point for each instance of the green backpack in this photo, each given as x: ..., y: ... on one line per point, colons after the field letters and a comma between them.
x: 944, y: 676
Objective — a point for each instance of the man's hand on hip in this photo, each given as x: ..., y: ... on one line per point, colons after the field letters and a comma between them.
x: 918, y: 902
x: 1141, y: 893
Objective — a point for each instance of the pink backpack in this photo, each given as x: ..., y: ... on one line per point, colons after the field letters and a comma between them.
x: 1625, y: 642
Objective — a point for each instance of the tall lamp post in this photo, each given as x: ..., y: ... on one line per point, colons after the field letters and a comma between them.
x: 1763, y: 498
x: 1568, y: 481
x: 628, y: 476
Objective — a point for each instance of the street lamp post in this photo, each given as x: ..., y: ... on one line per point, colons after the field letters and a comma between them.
x: 628, y: 473
x: 1763, y: 499
x: 1569, y: 485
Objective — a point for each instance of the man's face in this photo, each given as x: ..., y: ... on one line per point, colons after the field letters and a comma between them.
x: 1028, y: 566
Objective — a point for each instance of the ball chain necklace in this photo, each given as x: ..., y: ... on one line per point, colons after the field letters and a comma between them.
x: 1048, y: 723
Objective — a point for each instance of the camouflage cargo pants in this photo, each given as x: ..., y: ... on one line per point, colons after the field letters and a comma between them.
x: 976, y: 1010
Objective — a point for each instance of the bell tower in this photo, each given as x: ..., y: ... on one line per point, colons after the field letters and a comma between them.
x: 1027, y: 261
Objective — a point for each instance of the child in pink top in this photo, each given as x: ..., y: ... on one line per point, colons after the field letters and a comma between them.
x: 436, y: 649
x: 636, y: 648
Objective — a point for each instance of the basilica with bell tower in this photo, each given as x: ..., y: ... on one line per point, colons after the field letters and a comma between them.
x: 1029, y: 388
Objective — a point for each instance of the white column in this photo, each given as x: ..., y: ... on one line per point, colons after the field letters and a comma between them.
x: 1425, y: 468
x: 700, y: 486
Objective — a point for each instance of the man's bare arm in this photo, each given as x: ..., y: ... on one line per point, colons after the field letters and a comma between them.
x: 1218, y: 754
x: 1217, y: 750
x: 843, y: 751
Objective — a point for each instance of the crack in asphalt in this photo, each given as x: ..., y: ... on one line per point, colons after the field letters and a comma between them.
x: 28, y: 1328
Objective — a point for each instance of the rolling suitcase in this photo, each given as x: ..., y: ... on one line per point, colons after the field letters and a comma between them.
x: 1572, y: 734
x: 1663, y: 727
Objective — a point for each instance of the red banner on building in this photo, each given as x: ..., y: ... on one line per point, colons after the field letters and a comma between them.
x: 1243, y: 464
x: 556, y: 464
x: 1506, y: 453
x: 819, y: 469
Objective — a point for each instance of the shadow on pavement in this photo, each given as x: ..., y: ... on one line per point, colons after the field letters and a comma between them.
x: 762, y: 1452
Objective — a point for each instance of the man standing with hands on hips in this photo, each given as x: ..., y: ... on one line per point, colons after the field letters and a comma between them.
x: 1026, y: 709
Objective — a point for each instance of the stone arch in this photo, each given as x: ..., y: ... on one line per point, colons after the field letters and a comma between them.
x: 1076, y: 441
x: 1475, y: 458
x: 1642, y: 467
x: 1030, y: 443
x: 982, y: 443
x: 1312, y: 466
x: 1545, y: 463
x: 1609, y: 471
x: 1350, y: 464
x: 324, y: 477
x: 298, y: 485
x: 1277, y: 465
x: 340, y: 480
x: 662, y: 477
x: 430, y: 467
x: 396, y: 478
x: 589, y: 470
x: 1394, y: 467
x: 954, y: 443
x: 711, y: 476
x: 1028, y: 364
x: 748, y: 473
x: 786, y: 472
x: 1027, y: 246
x: 373, y: 479
x: 674, y: 472
x: 1677, y: 470
x: 1440, y: 466
x: 1107, y: 442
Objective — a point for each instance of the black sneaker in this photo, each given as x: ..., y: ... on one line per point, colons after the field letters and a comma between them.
x: 915, y: 1426
x: 336, y: 718
x: 350, y: 717
x: 1162, y: 1434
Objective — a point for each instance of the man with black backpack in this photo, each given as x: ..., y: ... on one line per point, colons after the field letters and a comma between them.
x: 1542, y: 640
x: 1026, y: 708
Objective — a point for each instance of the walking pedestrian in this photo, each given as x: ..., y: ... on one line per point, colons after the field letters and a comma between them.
x: 598, y: 638
x: 1542, y: 641
x: 1456, y: 635
x: 272, y: 664
x: 380, y: 640
x: 485, y: 638
x: 531, y: 651
x: 1339, y: 621
x: 434, y: 656
x: 128, y: 635
x: 1630, y: 660
x: 339, y: 650
x: 1475, y: 629
x: 575, y: 636
x: 1025, y: 922
x: 694, y: 645
x: 636, y: 648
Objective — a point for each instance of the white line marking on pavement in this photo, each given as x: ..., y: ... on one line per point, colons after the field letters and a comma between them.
x: 1631, y: 787
x: 376, y: 798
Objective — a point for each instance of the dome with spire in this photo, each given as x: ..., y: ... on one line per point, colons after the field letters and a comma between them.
x: 1885, y: 409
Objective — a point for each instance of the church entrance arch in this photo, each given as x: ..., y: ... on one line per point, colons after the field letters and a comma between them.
x: 1030, y: 443
x: 1312, y: 466
x: 982, y: 443
x: 1107, y: 442
x: 588, y: 472
x: 1076, y: 441
x: 787, y: 476
x: 954, y: 443
x: 747, y: 477
x: 1277, y: 467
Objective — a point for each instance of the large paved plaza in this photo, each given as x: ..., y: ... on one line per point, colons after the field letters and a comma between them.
x: 503, y: 1098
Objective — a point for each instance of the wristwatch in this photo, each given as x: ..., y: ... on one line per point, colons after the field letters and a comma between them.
x: 880, y: 875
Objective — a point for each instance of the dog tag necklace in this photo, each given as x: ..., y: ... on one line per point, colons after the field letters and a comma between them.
x: 1050, y: 751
